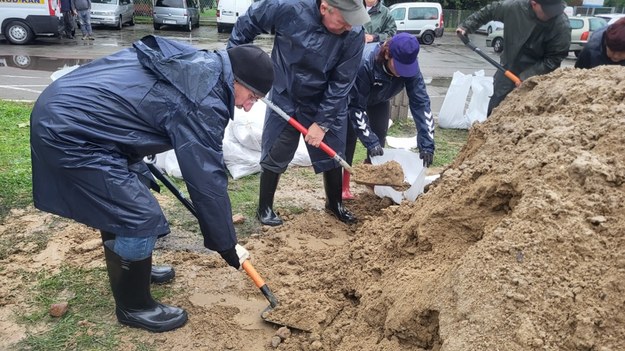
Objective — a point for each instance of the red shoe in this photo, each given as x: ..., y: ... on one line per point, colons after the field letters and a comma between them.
x: 346, y: 193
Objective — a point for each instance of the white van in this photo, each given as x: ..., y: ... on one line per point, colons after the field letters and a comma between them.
x: 423, y: 19
x: 228, y: 11
x: 22, y: 20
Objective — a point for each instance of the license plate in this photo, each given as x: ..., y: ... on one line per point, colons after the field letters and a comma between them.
x: 169, y: 22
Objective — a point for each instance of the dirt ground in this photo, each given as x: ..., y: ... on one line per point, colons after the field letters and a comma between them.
x: 518, y: 246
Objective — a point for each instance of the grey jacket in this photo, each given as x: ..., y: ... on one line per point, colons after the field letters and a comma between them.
x: 81, y: 5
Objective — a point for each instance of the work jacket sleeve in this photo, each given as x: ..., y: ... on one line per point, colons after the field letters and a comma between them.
x: 259, y: 18
x: 556, y: 45
x: 387, y: 25
x: 357, y: 114
x: 490, y: 12
x: 419, y: 102
x: 335, y: 98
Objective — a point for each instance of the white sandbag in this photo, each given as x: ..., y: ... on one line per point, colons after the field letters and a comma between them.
x: 63, y: 71
x: 414, y: 174
x: 451, y: 114
x: 481, y: 91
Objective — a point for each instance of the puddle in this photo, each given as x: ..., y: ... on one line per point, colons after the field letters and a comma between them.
x: 39, y: 63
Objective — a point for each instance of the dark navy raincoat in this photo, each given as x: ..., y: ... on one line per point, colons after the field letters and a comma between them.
x: 374, y: 86
x: 314, y: 70
x: 91, y: 126
x: 594, y: 52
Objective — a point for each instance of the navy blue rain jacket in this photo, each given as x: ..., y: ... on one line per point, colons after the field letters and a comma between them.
x: 90, y: 127
x: 314, y: 69
x: 373, y: 86
x: 594, y: 52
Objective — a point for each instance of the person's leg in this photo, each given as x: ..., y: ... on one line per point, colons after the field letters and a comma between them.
x: 160, y: 274
x: 379, y: 115
x: 67, y: 24
x: 129, y: 262
x: 350, y: 149
x: 334, y: 203
x: 83, y: 25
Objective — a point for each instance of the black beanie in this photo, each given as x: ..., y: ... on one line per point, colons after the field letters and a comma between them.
x: 252, y: 67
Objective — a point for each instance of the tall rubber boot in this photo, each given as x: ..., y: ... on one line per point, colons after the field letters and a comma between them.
x: 159, y: 275
x: 268, y: 184
x: 346, y: 194
x: 134, y: 305
x: 332, y: 181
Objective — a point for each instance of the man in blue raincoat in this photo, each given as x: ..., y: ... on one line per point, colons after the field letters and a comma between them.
x: 316, y: 52
x: 386, y: 69
x: 91, y: 128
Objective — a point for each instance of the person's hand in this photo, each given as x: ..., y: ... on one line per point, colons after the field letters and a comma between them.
x: 461, y: 31
x: 315, y: 135
x: 427, y: 158
x: 235, y: 256
x: 376, y: 150
x: 369, y: 38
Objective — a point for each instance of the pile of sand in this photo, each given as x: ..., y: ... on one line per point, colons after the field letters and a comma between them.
x: 519, y: 246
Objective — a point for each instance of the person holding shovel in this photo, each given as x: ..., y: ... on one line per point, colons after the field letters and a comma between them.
x: 537, y: 37
x: 317, y: 49
x: 606, y: 46
x: 91, y: 129
x: 385, y: 70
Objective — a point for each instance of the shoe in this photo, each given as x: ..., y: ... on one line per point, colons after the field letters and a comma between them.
x: 84, y: 37
x: 91, y: 38
x: 334, y: 203
x: 268, y: 184
x: 159, y: 275
x: 134, y: 305
x: 346, y: 194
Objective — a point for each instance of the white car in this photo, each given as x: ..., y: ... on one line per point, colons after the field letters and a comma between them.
x: 611, y: 17
x: 490, y: 27
x: 112, y: 13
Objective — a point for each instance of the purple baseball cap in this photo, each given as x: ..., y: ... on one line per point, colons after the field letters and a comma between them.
x: 404, y: 49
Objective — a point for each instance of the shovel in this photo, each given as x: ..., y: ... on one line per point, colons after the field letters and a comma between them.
x: 380, y: 173
x: 465, y: 39
x: 247, y: 266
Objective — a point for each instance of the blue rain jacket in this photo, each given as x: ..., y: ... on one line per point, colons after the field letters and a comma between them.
x: 91, y: 126
x: 374, y: 86
x: 314, y: 70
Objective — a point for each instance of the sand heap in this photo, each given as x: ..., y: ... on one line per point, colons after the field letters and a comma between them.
x: 519, y: 246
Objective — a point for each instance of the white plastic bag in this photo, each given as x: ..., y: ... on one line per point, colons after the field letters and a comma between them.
x: 451, y: 114
x: 481, y: 91
x: 414, y: 174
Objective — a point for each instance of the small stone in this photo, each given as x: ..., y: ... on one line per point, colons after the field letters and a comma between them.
x: 316, y: 345
x: 238, y: 218
x: 89, y: 245
x: 283, y: 333
x: 275, y: 341
x: 58, y: 309
x: 596, y: 220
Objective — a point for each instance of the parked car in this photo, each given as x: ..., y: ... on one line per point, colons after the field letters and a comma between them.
x: 490, y: 27
x: 112, y: 13
x: 423, y: 19
x: 581, y: 29
x: 39, y: 63
x: 180, y: 13
x: 495, y: 40
x: 228, y: 11
x: 21, y: 22
x: 611, y: 17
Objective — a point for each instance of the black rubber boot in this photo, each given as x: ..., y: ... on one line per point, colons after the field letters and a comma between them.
x: 268, y: 184
x: 333, y: 183
x: 134, y: 305
x: 159, y: 275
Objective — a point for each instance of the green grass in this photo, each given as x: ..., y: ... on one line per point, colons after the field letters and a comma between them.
x: 90, y: 322
x: 15, y: 174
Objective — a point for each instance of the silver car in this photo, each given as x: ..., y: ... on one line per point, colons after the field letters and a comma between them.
x: 180, y: 13
x: 112, y: 13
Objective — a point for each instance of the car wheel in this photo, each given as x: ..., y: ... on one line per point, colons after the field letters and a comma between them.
x: 18, y: 32
x: 189, y: 26
x: 157, y: 26
x: 220, y: 29
x: 132, y: 20
x: 427, y: 38
x: 576, y: 53
x: 498, y: 45
x: 119, y: 24
x: 22, y: 61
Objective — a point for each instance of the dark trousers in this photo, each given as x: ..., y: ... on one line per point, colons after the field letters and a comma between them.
x: 379, y: 115
x: 282, y: 151
x: 68, y: 23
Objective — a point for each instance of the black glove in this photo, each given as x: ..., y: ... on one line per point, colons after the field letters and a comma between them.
x: 427, y: 158
x: 377, y: 150
x: 235, y: 256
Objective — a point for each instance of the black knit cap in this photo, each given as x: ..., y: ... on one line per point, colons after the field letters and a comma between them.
x: 252, y: 67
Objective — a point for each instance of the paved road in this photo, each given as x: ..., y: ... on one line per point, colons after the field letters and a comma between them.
x: 25, y: 69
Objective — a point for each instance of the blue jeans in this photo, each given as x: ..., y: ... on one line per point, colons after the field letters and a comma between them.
x: 85, y: 22
x: 133, y: 248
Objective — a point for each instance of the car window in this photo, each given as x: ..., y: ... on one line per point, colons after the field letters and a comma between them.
x: 170, y: 3
x: 597, y: 23
x: 398, y: 14
x: 422, y: 13
x: 190, y: 4
x: 576, y: 23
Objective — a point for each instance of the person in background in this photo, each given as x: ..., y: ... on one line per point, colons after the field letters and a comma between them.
x: 385, y: 70
x: 91, y: 129
x: 537, y: 37
x: 606, y: 46
x: 382, y: 25
x: 68, y: 11
x: 83, y: 8
x: 317, y: 49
